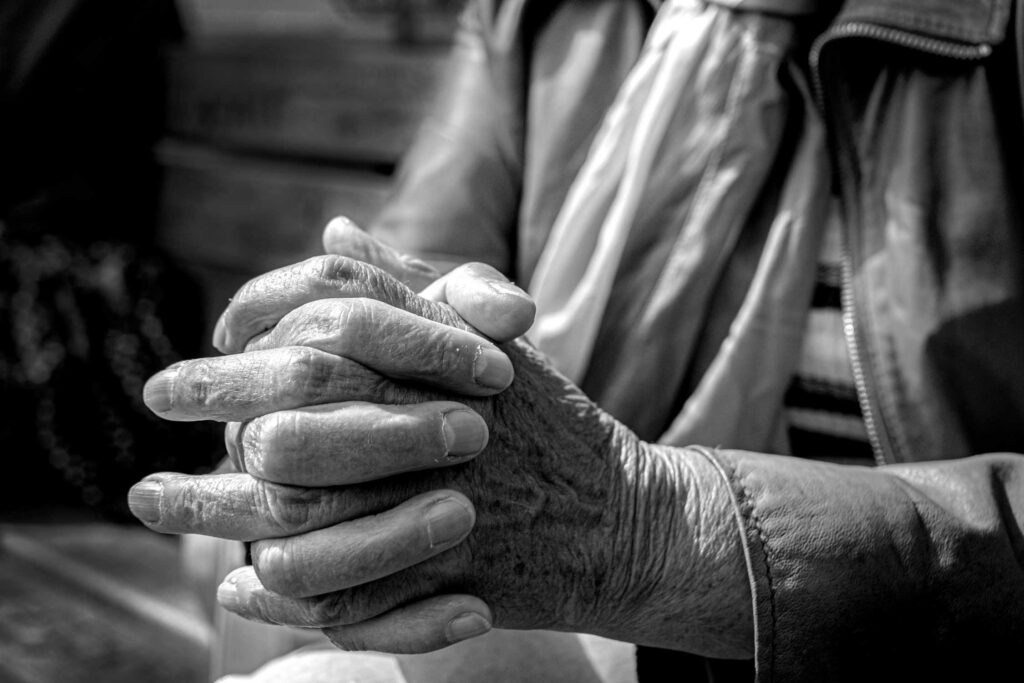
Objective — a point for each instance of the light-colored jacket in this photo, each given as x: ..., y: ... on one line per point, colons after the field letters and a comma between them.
x: 912, y: 569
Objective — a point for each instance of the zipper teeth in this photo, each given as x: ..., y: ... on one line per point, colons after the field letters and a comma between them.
x: 858, y: 29
x: 950, y: 49
x: 867, y: 410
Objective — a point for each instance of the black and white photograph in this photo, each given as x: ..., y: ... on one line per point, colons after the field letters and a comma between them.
x: 511, y: 341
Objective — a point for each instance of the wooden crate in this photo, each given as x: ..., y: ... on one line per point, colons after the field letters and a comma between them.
x: 227, y: 217
x: 249, y: 214
x: 314, y: 96
x: 271, y: 134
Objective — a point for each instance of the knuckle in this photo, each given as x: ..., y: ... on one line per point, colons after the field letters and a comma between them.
x: 334, y: 609
x: 364, y: 311
x: 271, y: 440
x: 187, y: 507
x: 249, y: 443
x: 278, y: 566
x: 289, y: 510
x: 197, y: 384
x: 448, y: 359
x: 196, y: 502
x: 325, y: 321
x: 382, y: 390
x: 335, y: 268
x: 306, y: 376
x: 243, y: 319
x: 441, y: 356
x: 352, y: 319
x: 360, y: 279
x: 280, y: 434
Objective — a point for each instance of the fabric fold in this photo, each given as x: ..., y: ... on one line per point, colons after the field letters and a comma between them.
x: 711, y: 153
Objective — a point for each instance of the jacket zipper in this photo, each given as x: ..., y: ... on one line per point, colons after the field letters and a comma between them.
x: 870, y: 407
x: 948, y: 49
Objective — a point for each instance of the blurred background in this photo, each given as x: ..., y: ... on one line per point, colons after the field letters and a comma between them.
x: 154, y: 155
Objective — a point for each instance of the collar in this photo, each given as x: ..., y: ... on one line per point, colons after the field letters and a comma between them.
x: 965, y: 21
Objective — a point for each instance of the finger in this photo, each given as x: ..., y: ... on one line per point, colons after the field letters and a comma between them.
x: 486, y: 300
x: 243, y: 593
x: 363, y: 550
x: 423, y: 626
x: 351, y: 443
x: 395, y: 343
x: 242, y: 508
x: 478, y: 292
x: 345, y: 238
x: 264, y: 300
x: 243, y: 386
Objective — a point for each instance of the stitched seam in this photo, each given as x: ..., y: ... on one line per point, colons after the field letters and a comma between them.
x: 731, y: 113
x: 727, y: 472
x: 751, y: 514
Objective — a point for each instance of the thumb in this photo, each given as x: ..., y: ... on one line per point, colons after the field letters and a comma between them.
x: 345, y: 238
x: 481, y: 295
x: 485, y: 299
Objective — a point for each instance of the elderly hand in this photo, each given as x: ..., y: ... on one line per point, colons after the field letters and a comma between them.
x: 566, y: 520
x: 481, y: 296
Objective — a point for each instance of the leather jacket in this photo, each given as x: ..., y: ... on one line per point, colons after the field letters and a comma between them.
x: 911, y: 569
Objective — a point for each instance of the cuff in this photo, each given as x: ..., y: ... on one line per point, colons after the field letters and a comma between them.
x: 758, y: 569
x: 909, y: 572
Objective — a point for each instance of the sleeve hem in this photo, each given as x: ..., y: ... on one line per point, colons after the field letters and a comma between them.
x: 756, y: 553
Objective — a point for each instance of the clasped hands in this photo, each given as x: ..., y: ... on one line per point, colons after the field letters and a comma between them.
x: 406, y: 482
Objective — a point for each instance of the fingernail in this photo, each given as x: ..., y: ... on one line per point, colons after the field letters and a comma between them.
x: 492, y: 368
x: 508, y: 289
x: 421, y: 266
x: 157, y: 392
x: 220, y: 334
x: 235, y: 591
x: 246, y: 583
x: 227, y: 595
x: 344, y: 223
x: 144, y: 500
x: 465, y: 433
x: 465, y: 626
x: 448, y: 520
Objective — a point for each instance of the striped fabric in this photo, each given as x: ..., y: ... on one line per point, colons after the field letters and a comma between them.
x: 825, y: 421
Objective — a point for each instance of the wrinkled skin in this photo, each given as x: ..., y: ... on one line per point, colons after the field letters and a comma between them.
x: 564, y: 521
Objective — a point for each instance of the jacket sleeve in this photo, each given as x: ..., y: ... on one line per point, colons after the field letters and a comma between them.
x: 909, y: 572
x: 457, y: 192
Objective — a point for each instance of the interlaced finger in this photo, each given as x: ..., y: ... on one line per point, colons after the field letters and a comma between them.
x: 264, y: 300
x: 355, y: 442
x: 395, y: 343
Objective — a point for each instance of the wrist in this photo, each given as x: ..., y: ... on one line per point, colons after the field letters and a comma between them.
x: 683, y: 571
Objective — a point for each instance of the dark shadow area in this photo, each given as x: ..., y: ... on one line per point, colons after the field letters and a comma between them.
x: 89, y: 308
